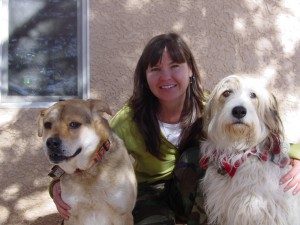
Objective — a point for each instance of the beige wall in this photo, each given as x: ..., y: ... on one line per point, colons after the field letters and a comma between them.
x: 260, y: 37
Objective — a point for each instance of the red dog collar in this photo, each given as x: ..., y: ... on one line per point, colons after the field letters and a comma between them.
x: 225, y: 165
x: 57, y: 172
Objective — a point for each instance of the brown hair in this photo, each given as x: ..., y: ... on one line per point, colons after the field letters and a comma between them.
x: 145, y: 105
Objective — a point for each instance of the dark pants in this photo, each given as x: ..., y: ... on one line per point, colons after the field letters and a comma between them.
x: 175, y: 200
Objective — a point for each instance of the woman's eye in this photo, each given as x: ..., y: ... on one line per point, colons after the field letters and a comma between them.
x: 226, y: 93
x: 74, y: 125
x: 153, y: 69
x: 174, y: 65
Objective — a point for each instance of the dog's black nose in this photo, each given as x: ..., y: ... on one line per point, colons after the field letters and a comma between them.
x: 239, y: 112
x: 53, y: 143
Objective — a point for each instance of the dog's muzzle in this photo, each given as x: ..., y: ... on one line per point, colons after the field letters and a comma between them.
x: 55, y: 151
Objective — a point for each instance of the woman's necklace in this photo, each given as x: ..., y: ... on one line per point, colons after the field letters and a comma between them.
x: 170, y: 131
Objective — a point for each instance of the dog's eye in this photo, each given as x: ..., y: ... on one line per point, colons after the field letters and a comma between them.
x: 226, y: 93
x: 74, y: 125
x: 252, y: 95
x: 47, y: 125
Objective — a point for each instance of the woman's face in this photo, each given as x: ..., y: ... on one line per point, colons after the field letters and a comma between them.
x: 168, y: 80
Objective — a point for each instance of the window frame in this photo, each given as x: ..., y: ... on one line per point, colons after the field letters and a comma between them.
x: 7, y: 101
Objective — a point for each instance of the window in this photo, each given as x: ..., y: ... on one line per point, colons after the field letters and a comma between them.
x: 44, y: 52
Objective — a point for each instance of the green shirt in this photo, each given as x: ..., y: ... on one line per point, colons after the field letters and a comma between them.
x: 147, y: 167
x: 295, y: 151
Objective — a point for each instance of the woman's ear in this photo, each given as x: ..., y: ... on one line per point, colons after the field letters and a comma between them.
x: 190, y: 71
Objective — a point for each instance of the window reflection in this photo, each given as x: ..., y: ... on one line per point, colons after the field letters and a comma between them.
x: 43, y: 48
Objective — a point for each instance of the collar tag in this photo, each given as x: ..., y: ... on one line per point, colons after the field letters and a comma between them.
x: 56, y: 172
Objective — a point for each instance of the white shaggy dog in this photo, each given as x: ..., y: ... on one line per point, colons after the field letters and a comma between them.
x: 245, y: 157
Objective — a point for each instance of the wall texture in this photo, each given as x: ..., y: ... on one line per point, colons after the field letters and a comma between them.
x: 259, y: 37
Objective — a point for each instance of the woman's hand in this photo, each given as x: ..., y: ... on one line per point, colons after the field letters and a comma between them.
x: 61, y: 206
x: 292, y: 177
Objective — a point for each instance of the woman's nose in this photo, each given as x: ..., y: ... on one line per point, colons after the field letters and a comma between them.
x: 165, y: 72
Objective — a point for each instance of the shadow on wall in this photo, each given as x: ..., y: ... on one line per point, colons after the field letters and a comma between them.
x: 247, y: 36
x: 225, y: 36
x: 23, y: 171
x: 255, y: 37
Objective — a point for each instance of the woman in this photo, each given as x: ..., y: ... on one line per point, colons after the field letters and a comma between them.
x: 161, y: 128
x: 156, y: 126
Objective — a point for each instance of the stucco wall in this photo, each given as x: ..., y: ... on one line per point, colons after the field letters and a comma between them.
x: 260, y: 37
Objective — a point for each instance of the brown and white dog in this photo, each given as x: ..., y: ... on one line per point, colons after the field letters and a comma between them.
x: 98, y: 180
x: 245, y: 156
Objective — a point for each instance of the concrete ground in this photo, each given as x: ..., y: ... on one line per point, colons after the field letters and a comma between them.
x: 24, y: 199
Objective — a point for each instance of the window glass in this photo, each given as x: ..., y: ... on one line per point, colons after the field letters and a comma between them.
x: 44, y: 51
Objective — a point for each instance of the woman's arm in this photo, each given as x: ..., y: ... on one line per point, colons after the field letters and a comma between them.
x: 292, y: 178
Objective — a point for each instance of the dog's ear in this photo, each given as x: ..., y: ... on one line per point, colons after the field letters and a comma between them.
x: 272, y: 117
x: 99, y: 107
x: 206, y: 116
x: 207, y: 113
x: 41, y: 123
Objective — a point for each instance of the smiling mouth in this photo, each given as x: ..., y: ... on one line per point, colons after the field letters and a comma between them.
x: 75, y: 154
x: 167, y: 86
x: 57, y: 158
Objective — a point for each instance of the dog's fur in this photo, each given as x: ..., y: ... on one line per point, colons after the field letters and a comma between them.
x: 101, y: 193
x: 242, y: 115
